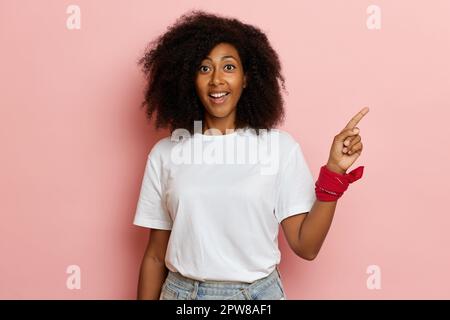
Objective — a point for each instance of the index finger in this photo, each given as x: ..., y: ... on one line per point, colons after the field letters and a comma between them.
x: 354, y: 121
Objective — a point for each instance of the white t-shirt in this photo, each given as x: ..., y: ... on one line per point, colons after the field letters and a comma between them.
x: 224, y: 214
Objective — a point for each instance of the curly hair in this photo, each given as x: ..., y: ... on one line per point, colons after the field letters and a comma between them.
x: 170, y: 63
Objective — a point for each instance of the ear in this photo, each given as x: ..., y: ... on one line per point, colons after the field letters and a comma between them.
x: 245, y: 81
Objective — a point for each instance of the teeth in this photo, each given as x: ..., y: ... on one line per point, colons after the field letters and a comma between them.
x: 218, y: 95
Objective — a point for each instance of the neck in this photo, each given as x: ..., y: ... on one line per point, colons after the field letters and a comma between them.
x: 222, y: 124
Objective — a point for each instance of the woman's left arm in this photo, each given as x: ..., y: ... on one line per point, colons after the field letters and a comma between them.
x: 306, y: 233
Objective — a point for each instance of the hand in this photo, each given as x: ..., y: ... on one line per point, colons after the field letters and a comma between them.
x: 347, y: 145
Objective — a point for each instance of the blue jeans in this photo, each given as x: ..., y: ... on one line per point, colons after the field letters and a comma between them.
x: 178, y: 287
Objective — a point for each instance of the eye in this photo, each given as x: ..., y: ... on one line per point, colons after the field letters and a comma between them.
x: 230, y: 65
x: 202, y: 68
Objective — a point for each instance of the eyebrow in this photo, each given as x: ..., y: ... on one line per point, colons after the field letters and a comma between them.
x: 223, y: 58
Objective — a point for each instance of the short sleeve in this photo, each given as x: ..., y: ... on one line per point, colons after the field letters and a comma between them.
x: 296, y: 189
x: 151, y: 211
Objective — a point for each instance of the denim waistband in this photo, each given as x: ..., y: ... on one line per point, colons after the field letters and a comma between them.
x: 188, y: 283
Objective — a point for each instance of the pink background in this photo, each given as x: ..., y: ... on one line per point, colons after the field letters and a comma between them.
x: 74, y: 141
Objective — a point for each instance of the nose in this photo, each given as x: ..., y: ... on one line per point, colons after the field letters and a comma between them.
x: 216, y: 77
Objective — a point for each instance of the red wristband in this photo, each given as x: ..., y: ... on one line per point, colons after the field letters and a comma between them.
x: 330, y: 186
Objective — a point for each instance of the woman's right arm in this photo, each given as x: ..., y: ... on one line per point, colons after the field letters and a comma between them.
x: 153, y: 271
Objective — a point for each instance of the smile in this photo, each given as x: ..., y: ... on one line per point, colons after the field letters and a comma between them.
x: 218, y: 98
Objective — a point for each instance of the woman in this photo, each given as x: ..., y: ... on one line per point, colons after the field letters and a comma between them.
x: 214, y: 220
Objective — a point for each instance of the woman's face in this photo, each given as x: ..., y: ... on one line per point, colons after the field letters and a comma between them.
x: 219, y: 81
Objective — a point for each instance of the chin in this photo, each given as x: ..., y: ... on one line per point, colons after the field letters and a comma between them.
x: 219, y: 112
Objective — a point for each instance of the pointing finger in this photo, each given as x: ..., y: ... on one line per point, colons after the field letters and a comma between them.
x: 354, y: 121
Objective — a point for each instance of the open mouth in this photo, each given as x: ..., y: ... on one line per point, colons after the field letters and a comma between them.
x: 218, y: 98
